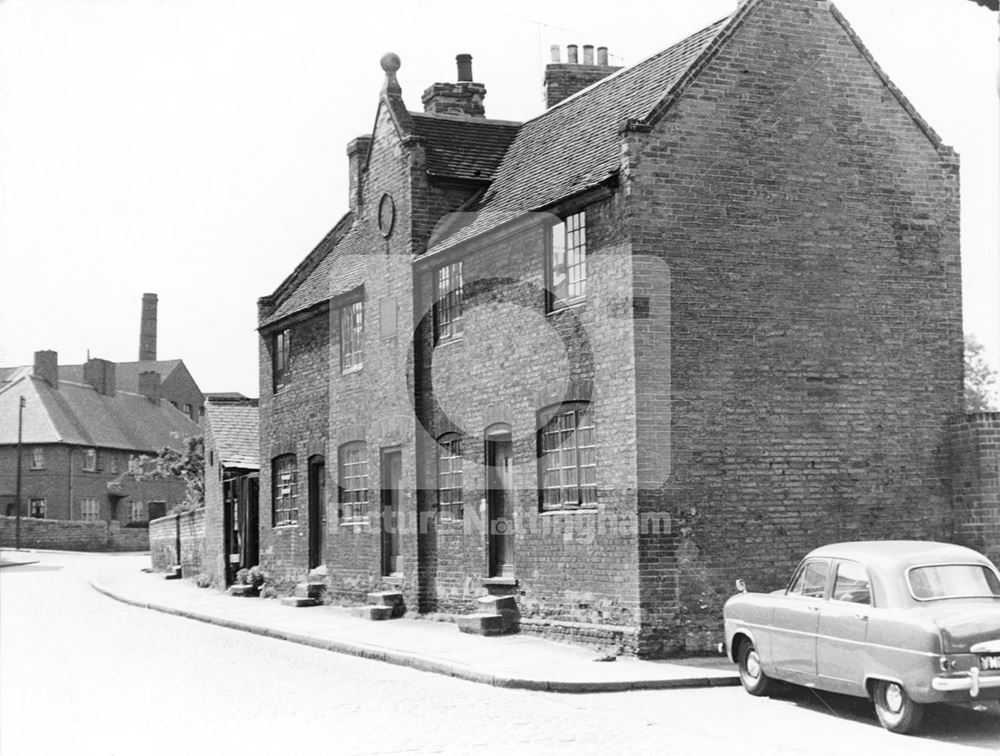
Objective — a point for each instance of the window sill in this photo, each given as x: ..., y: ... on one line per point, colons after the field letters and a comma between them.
x: 576, y: 304
x: 285, y: 526
x: 570, y: 511
x: 448, y: 341
x: 352, y: 369
x: 353, y: 523
x: 508, y: 581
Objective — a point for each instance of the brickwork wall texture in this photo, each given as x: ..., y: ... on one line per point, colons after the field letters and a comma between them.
x: 63, y: 535
x: 976, y: 483
x: 214, y: 558
x: 164, y: 532
x: 809, y: 225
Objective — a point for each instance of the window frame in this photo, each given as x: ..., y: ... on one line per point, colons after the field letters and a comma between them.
x: 565, y: 238
x: 133, y: 508
x: 38, y: 458
x: 280, y: 357
x: 449, y: 299
x: 352, y: 336
x: 836, y: 579
x: 801, y: 572
x: 90, y: 460
x: 352, y: 502
x: 449, y: 455
x: 90, y: 516
x: 31, y: 507
x: 286, y: 504
x: 578, y: 450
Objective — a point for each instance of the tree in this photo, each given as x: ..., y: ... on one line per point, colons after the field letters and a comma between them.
x: 188, y: 464
x: 980, y: 378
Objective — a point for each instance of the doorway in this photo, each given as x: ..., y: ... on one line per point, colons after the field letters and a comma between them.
x: 392, y: 475
x: 317, y: 511
x: 500, y: 501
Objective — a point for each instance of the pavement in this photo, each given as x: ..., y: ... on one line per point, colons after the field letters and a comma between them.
x: 510, y: 661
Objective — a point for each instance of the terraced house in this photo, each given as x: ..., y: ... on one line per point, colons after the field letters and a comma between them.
x: 698, y: 316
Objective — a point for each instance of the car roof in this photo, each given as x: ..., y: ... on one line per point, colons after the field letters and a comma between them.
x: 889, y: 554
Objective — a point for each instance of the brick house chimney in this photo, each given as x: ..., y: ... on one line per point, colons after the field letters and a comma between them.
x: 147, y: 328
x: 47, y: 367
x: 563, y: 80
x: 463, y: 97
x: 357, y: 153
x: 101, y: 375
x: 149, y: 385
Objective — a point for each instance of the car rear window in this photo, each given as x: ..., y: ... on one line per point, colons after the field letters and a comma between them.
x: 942, y: 581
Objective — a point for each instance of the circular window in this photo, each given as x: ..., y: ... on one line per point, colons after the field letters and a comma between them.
x: 386, y: 215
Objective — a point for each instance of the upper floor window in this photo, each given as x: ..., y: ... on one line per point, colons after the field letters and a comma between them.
x: 567, y: 261
x: 448, y: 302
x: 89, y: 509
x: 90, y: 459
x: 567, y: 458
x: 111, y: 462
x: 285, y: 508
x: 352, y: 331
x: 38, y: 458
x: 279, y: 358
x: 353, y: 481
x: 450, y: 477
x: 37, y: 508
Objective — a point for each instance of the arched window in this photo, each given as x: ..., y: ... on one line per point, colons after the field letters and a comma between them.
x: 450, y: 477
x: 353, y: 481
x: 567, y: 460
x: 284, y: 484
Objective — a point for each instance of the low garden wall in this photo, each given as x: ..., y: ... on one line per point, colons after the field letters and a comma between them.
x: 178, y: 539
x: 73, y: 535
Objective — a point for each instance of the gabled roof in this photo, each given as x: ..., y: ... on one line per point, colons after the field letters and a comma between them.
x: 463, y: 147
x: 576, y: 144
x: 126, y: 373
x: 235, y: 432
x: 77, y: 414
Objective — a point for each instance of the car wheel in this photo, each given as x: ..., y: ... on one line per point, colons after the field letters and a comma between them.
x: 755, y: 682
x: 896, y: 711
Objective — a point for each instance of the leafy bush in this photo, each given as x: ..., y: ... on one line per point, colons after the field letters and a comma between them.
x: 203, y: 580
x: 256, y: 576
x: 243, y: 576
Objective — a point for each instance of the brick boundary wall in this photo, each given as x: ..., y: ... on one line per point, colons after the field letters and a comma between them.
x: 976, y: 488
x: 189, y: 528
x: 73, y: 535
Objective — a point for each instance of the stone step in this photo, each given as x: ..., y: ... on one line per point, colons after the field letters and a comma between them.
x: 497, y: 604
x: 173, y: 573
x: 481, y: 623
x: 373, y: 612
x: 240, y: 589
x: 386, y: 598
x: 310, y: 590
x: 298, y: 601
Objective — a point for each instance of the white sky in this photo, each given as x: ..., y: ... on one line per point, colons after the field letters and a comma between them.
x: 196, y: 148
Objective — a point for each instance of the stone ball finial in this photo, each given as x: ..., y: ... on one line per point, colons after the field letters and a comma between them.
x: 390, y: 62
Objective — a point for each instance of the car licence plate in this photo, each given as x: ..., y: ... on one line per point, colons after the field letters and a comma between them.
x: 990, y: 662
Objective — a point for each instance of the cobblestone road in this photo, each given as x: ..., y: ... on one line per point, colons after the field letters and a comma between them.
x: 83, y: 674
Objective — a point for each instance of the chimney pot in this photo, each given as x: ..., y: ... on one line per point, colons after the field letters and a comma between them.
x: 555, y: 52
x: 47, y: 367
x: 571, y: 54
x: 588, y: 55
x: 464, y: 61
x: 602, y: 56
x: 147, y: 328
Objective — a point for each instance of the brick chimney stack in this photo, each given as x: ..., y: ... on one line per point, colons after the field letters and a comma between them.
x: 101, y: 375
x: 564, y: 80
x: 149, y: 385
x: 147, y: 328
x: 463, y: 97
x: 357, y: 153
x: 47, y: 367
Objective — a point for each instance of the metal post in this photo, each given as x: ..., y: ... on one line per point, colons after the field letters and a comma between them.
x: 17, y: 495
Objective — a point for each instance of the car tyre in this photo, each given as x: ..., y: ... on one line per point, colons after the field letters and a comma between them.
x: 752, y: 676
x: 896, y: 710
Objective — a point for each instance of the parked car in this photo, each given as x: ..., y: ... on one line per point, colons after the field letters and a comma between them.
x: 905, y: 623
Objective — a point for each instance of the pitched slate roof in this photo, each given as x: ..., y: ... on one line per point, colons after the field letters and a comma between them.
x: 461, y: 146
x: 77, y: 414
x: 575, y: 145
x: 126, y: 373
x: 235, y: 432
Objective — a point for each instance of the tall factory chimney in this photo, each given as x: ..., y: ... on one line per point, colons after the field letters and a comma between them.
x: 147, y: 328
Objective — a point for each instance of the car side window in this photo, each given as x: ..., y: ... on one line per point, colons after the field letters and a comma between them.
x: 811, y: 580
x: 851, y: 584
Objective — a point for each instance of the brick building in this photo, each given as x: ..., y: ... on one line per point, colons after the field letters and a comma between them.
x: 699, y: 316
x: 79, y: 441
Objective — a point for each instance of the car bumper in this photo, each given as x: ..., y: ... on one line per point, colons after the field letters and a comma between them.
x: 972, y: 682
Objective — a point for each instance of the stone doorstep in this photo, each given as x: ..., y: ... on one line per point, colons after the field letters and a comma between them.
x: 239, y: 589
x: 298, y: 601
x: 173, y: 573
x: 391, y: 599
x: 310, y: 590
x: 481, y: 623
x: 373, y: 612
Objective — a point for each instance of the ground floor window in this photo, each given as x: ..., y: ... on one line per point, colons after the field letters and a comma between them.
x: 135, y: 511
x: 450, y: 477
x: 36, y: 508
x: 567, y: 461
x: 286, y: 507
x: 89, y: 509
x: 353, y: 481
